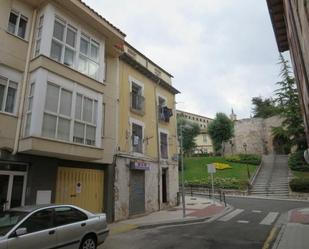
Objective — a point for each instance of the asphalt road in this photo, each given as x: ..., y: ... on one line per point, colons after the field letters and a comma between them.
x: 247, y: 227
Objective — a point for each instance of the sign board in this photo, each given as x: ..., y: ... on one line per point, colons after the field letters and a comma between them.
x: 43, y: 197
x: 139, y: 165
x: 211, y: 168
x: 78, y: 188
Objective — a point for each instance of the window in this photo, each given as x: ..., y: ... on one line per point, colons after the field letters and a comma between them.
x: 85, y: 120
x: 163, y: 145
x: 39, y: 221
x: 164, y: 112
x: 205, y: 138
x: 68, y: 215
x: 29, y: 109
x: 58, y: 116
x: 137, y: 138
x: 63, y: 47
x: 137, y: 100
x: 39, y: 36
x: 8, y: 90
x: 17, y: 24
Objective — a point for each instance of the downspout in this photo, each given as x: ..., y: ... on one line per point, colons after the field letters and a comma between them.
x: 158, y: 144
x: 23, y: 85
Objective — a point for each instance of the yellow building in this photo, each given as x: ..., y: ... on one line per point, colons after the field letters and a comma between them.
x: 146, y: 174
x: 203, y: 140
x: 59, y: 64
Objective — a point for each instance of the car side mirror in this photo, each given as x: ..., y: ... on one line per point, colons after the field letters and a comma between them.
x: 20, y: 231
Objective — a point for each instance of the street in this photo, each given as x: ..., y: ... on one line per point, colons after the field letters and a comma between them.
x: 247, y: 226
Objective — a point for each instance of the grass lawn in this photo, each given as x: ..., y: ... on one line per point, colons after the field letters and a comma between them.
x: 236, y: 177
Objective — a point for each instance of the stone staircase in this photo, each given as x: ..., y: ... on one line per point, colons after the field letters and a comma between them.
x: 272, y: 180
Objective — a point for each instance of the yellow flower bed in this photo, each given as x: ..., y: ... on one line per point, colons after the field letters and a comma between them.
x: 221, y: 166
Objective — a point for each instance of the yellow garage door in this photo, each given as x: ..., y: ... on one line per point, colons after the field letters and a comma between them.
x: 80, y: 187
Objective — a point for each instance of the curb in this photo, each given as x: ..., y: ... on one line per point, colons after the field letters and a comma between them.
x: 266, y: 198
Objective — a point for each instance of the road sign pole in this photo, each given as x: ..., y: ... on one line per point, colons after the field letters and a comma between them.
x: 213, y: 189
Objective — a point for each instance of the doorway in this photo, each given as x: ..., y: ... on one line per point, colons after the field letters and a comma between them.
x: 164, y: 185
x: 12, y: 189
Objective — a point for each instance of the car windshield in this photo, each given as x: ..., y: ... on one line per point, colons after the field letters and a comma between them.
x: 9, y: 219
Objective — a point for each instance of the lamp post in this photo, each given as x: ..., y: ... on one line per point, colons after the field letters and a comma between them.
x: 248, y: 172
x: 182, y: 126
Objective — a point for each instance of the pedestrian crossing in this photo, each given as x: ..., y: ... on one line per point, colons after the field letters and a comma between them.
x: 264, y: 218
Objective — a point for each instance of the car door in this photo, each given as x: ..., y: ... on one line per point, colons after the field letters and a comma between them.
x: 40, y: 232
x: 71, y: 226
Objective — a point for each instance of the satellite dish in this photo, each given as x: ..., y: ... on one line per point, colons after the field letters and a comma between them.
x: 306, y: 155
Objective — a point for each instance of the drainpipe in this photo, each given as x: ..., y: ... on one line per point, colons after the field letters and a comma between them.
x: 24, y: 83
x: 158, y: 145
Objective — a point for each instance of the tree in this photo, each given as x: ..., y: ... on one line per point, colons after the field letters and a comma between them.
x: 189, y: 131
x: 221, y: 129
x: 289, y: 108
x: 264, y: 108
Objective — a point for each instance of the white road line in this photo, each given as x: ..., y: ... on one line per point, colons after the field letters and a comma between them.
x: 256, y: 211
x: 231, y: 215
x: 243, y: 221
x: 269, y: 219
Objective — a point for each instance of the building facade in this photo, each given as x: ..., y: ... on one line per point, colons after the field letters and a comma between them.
x: 203, y: 140
x: 146, y: 167
x: 290, y: 19
x: 59, y: 72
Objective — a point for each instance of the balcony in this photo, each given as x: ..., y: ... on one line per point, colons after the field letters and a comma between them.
x: 164, y: 114
x: 137, y: 103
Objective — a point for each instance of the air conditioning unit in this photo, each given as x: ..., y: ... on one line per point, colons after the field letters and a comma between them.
x: 306, y: 155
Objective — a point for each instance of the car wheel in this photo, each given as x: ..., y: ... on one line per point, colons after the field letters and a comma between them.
x: 88, y: 242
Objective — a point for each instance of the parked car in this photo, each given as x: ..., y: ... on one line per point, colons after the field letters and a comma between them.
x: 51, y: 226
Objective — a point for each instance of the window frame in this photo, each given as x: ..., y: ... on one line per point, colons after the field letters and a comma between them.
x: 16, y: 29
x: 142, y: 125
x: 161, y: 131
x: 5, y: 95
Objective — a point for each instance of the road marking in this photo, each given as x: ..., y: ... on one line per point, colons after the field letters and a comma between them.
x: 269, y: 219
x: 231, y: 215
x: 243, y: 221
x: 273, y: 233
x: 256, y: 211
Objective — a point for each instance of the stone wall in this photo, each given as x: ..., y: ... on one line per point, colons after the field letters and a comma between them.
x: 256, y: 133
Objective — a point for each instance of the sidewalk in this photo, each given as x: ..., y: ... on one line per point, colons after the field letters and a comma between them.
x: 198, y: 209
x: 295, y: 233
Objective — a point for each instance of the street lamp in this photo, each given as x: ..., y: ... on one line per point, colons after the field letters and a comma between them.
x: 182, y: 126
x: 248, y: 172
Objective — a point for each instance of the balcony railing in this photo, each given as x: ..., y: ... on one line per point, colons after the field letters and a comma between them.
x: 137, y: 103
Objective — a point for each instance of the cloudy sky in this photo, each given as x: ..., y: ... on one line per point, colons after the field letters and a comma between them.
x: 221, y: 53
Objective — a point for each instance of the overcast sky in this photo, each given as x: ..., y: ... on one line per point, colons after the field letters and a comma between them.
x: 221, y: 53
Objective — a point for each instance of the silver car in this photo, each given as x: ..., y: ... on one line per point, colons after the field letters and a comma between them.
x: 52, y: 226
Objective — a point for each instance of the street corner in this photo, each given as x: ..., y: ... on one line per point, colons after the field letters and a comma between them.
x: 121, y: 228
x: 209, y: 211
x: 299, y: 216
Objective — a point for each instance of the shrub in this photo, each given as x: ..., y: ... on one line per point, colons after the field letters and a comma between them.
x: 224, y: 183
x: 245, y: 158
x: 221, y: 166
x: 299, y: 184
x: 297, y: 161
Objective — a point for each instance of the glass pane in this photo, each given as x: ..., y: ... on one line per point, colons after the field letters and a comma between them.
x: 95, y: 111
x: 37, y: 47
x: 87, y: 110
x: 55, y: 51
x: 31, y: 91
x: 28, y: 122
x: 2, y: 89
x: 82, y: 64
x: 65, y: 102
x: 52, y: 96
x: 90, y: 135
x: 95, y: 51
x: 41, y: 20
x: 22, y: 27
x: 30, y: 100
x: 40, y: 220
x: 84, y: 45
x: 12, y: 23
x: 58, y: 30
x: 68, y: 57
x: 93, y: 69
x: 79, y: 133
x: 10, y: 99
x: 49, y: 125
x: 64, y: 129
x: 4, y: 183
x: 68, y: 215
x: 78, y: 107
x: 71, y: 37
x: 17, y: 191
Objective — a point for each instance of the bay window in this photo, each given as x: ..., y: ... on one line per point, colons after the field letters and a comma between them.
x: 29, y: 109
x: 39, y: 36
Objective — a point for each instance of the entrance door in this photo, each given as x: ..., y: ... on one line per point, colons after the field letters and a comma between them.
x: 80, y: 187
x: 137, y: 192
x: 164, y: 185
x: 12, y: 189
